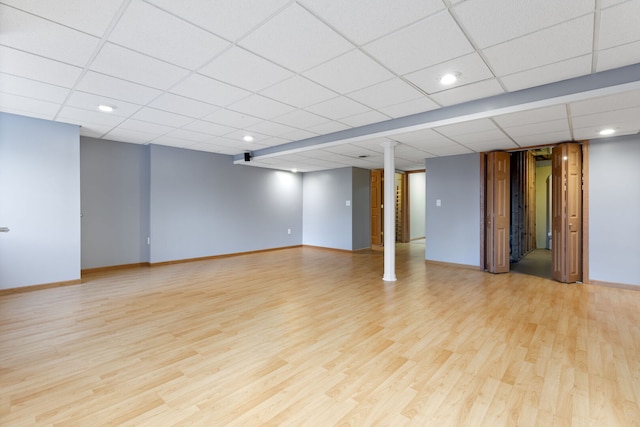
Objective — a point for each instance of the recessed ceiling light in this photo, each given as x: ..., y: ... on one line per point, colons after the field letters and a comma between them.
x: 605, y: 132
x: 294, y: 170
x: 247, y: 138
x: 106, y: 108
x: 449, y: 78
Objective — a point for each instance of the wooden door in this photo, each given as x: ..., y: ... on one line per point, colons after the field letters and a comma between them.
x: 498, y: 212
x: 566, y: 213
x: 402, y: 207
x: 376, y: 207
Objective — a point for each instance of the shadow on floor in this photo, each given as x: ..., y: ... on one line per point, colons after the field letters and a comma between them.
x: 535, y: 263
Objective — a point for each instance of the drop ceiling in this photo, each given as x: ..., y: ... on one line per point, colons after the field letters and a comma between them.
x: 321, y: 84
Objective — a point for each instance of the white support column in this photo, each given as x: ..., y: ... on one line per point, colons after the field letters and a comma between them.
x: 389, y: 212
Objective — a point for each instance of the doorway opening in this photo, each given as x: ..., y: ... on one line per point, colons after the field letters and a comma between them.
x: 409, y: 206
x: 530, y: 231
x: 534, y: 204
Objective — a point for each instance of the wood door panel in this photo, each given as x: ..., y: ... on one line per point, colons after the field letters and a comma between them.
x: 567, y: 212
x: 498, y: 212
x: 376, y: 207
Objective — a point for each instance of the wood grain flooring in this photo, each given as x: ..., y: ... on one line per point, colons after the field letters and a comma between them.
x: 306, y: 336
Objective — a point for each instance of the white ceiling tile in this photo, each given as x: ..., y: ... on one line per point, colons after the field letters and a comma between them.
x: 390, y: 92
x: 269, y: 141
x: 618, y: 118
x: 45, y: 38
x: 349, y: 72
x: 270, y: 128
x: 183, y: 106
x: 503, y: 144
x: 89, y: 16
x: 347, y: 150
x: 430, y: 41
x: 244, y: 69
x: 543, y: 138
x: 94, y: 131
x: 151, y: 129
x: 149, y: 30
x: 410, y: 107
x: 172, y: 141
x: 32, y: 89
x: 298, y: 135
x: 232, y: 118
x: 260, y: 106
x: 452, y: 150
x: 558, y: 43
x: 90, y: 101
x: 490, y: 22
x: 301, y: 119
x: 214, y: 148
x: 538, y: 128
x: 373, y: 144
x: 603, y: 104
x: 364, y: 118
x: 229, y: 19
x: 337, y: 108
x: 209, y: 90
x: 562, y: 70
x: 129, y: 65
x: 81, y: 117
x: 21, y: 105
x: 618, y: 56
x: 209, y: 128
x: 112, y: 87
x: 188, y: 135
x: 608, y: 3
x: 539, y: 115
x: 470, y: 68
x: 619, y: 25
x: 154, y: 115
x: 629, y: 127
x: 34, y: 67
x: 296, y: 39
x: 299, y: 92
x: 470, y: 139
x: 470, y: 127
x: 364, y: 20
x: 469, y: 92
x: 327, y: 127
x: 423, y: 136
x: 129, y: 136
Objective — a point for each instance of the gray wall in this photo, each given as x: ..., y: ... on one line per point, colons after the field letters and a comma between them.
x: 453, y: 229
x: 39, y: 201
x: 614, y: 210
x: 201, y: 204
x: 361, y: 210
x: 114, y: 180
x: 327, y: 221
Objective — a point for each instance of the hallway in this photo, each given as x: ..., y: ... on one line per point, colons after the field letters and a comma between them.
x: 535, y: 263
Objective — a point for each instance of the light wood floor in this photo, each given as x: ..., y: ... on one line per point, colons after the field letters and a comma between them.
x: 314, y: 337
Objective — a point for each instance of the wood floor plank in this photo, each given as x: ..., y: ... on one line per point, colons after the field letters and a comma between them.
x: 305, y: 336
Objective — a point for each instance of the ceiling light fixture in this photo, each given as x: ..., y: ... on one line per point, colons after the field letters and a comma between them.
x: 449, y: 78
x: 106, y: 108
x: 294, y: 170
x: 606, y: 132
x: 247, y: 138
